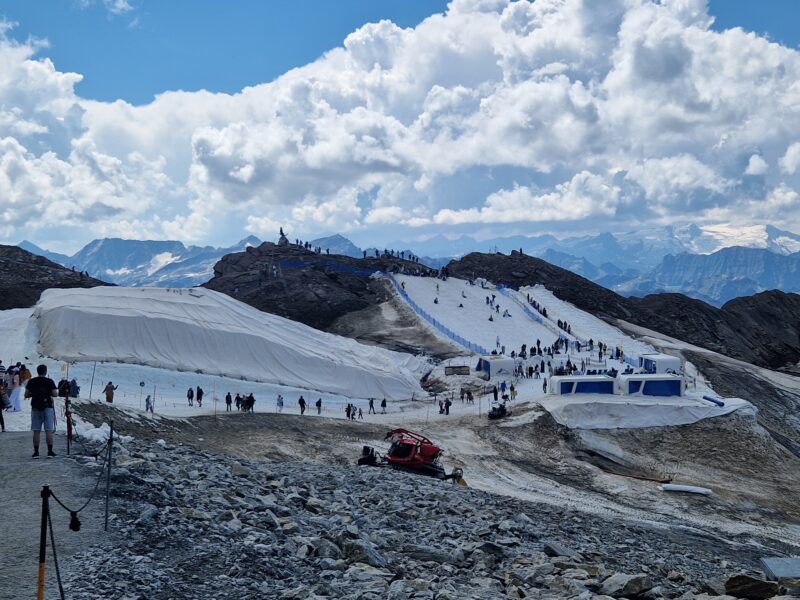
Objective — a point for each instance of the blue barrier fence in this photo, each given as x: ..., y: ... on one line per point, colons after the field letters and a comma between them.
x: 330, y: 265
x: 463, y: 342
x: 503, y: 289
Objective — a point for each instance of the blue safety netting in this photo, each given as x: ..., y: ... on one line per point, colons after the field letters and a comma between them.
x: 327, y: 264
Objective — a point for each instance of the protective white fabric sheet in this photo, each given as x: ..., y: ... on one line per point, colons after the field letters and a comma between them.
x: 592, y: 411
x: 206, y: 331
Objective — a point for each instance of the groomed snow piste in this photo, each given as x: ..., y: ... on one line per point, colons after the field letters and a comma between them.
x: 579, y: 411
x: 205, y: 331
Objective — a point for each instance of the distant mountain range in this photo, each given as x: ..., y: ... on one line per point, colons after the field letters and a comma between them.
x: 721, y: 276
x: 144, y: 262
x: 711, y: 263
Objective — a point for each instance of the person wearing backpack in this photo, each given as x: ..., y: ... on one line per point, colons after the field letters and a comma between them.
x: 42, y: 390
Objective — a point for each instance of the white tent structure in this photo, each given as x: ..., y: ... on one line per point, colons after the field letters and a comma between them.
x: 204, y: 331
x: 495, y: 365
x: 659, y: 363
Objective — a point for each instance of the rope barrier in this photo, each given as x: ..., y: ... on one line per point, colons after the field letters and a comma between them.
x: 74, y: 522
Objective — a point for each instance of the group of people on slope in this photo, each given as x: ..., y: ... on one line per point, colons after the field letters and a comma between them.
x: 12, y: 387
x: 242, y: 402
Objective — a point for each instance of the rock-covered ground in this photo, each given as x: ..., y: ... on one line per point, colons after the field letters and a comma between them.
x: 192, y: 524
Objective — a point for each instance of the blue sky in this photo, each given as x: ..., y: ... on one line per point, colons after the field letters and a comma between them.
x: 162, y: 45
x: 207, y: 121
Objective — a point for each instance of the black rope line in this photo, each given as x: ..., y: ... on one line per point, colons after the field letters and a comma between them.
x: 55, y: 556
x: 94, y: 492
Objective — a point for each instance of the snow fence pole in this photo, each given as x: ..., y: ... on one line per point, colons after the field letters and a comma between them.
x: 91, y: 385
x: 108, y: 472
x: 43, y: 541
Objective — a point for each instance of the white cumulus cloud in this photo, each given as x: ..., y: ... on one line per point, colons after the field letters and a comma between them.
x: 568, y: 112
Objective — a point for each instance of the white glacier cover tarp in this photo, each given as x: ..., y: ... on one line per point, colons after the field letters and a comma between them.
x: 203, y: 330
x: 584, y: 411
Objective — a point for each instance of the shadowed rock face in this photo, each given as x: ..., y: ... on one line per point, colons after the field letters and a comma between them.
x: 763, y: 329
x: 315, y: 289
x: 24, y: 276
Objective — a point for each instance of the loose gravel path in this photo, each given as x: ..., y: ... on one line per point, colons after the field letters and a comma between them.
x: 21, y: 481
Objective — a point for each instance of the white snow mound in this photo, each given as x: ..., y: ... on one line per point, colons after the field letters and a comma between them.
x: 203, y: 330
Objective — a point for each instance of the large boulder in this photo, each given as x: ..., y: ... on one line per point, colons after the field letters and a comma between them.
x: 752, y: 588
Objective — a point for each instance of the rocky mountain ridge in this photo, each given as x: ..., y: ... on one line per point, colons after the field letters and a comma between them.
x: 334, y: 293
x: 24, y: 276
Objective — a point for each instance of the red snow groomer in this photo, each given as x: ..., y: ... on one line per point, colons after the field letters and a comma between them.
x: 409, y: 451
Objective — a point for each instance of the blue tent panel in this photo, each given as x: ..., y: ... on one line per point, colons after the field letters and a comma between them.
x: 670, y: 387
x: 566, y: 387
x: 594, y: 387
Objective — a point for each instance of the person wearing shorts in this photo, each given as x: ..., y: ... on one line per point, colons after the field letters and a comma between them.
x: 42, y: 390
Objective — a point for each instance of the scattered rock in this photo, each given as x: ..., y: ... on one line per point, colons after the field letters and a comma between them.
x: 745, y: 586
x: 629, y: 586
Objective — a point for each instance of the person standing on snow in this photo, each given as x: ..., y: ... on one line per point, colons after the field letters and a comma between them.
x: 280, y: 403
x: 302, y: 403
x: 190, y: 396
x: 371, y: 410
x: 383, y: 406
x: 494, y: 393
x: 109, y: 392
x: 228, y: 402
x: 199, y: 396
x: 319, y: 406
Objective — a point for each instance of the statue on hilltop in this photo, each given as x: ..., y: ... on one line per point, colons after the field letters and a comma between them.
x: 283, y: 240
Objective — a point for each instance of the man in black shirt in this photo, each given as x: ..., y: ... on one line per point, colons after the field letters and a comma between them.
x: 41, y: 390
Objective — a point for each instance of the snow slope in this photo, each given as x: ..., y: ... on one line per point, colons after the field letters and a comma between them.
x: 204, y: 331
x: 472, y: 321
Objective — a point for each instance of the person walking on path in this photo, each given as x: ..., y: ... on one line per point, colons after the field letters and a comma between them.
x: 302, y: 403
x: 148, y: 404
x: 371, y: 410
x: 319, y: 406
x: 108, y: 391
x: 383, y: 406
x: 228, y: 402
x: 447, y: 404
x: 42, y: 390
x: 199, y: 396
x: 494, y: 393
x: 360, y: 414
x: 190, y: 396
x: 280, y: 403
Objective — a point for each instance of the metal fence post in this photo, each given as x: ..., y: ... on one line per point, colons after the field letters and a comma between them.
x: 43, y: 541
